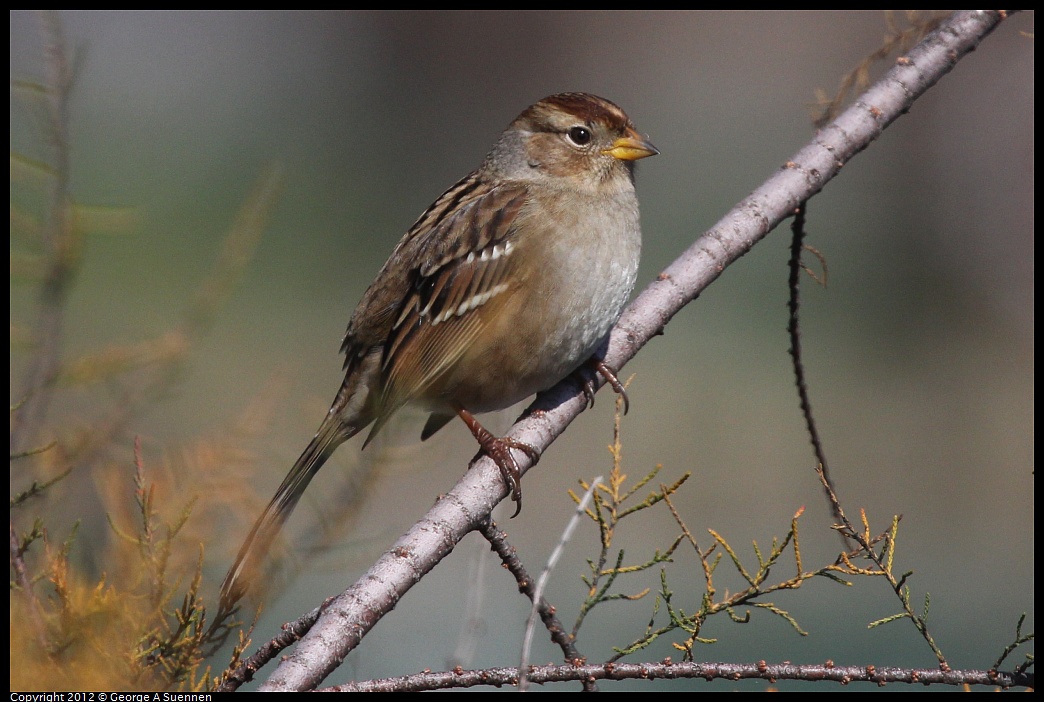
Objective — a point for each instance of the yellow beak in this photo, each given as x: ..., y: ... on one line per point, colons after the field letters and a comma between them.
x: 631, y: 147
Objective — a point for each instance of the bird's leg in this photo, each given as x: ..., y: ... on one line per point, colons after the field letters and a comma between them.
x: 499, y: 449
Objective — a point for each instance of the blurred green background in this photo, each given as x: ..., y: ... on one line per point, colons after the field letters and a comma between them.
x: 919, y: 353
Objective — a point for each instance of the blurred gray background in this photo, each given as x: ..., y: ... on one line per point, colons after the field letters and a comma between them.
x: 919, y: 354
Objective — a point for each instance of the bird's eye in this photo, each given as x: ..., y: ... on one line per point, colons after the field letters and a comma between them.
x: 581, y: 136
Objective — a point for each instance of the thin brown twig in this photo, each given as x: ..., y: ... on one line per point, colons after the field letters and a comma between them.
x: 797, y: 242
x: 704, y: 563
x: 527, y: 586
x: 247, y: 667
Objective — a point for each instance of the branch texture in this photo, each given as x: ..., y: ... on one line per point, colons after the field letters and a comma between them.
x: 843, y: 675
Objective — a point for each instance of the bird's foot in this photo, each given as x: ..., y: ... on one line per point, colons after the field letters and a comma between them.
x: 499, y: 449
x: 609, y: 374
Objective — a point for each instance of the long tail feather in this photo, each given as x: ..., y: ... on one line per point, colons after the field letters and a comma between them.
x: 252, y: 555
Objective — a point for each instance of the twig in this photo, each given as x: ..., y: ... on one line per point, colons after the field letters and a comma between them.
x: 794, y: 331
x: 509, y: 557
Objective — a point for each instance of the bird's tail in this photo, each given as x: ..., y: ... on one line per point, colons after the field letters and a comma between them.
x: 252, y: 555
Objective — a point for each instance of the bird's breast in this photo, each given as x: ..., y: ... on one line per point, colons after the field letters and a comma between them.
x: 568, y: 288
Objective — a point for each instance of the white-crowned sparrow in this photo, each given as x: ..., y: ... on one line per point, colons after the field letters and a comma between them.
x: 504, y: 286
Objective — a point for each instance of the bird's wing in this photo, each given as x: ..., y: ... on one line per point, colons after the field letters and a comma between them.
x: 462, y: 250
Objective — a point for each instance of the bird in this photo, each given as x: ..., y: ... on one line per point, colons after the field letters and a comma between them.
x: 508, y: 283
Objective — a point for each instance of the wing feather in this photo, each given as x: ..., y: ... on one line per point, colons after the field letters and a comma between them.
x: 464, y: 243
